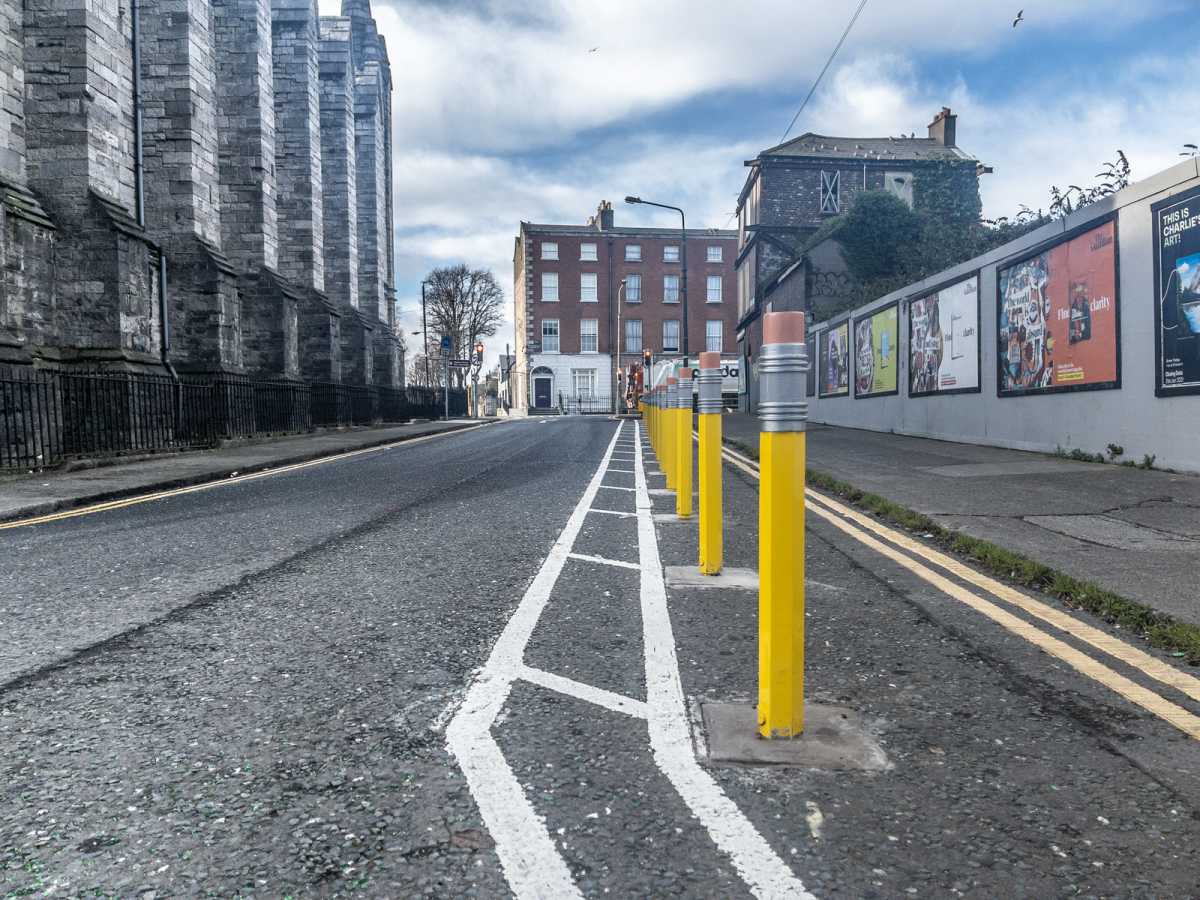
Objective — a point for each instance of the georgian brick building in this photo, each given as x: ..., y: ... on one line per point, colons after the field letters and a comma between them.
x: 567, y: 289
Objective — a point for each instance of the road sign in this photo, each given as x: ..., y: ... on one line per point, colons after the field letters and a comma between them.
x: 446, y: 342
x: 534, y: 346
x: 461, y: 363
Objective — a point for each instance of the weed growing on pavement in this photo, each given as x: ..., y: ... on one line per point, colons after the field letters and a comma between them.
x: 1162, y: 631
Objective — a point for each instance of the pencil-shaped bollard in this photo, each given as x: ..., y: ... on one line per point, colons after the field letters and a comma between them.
x: 683, y: 444
x: 656, y: 398
x: 667, y: 454
x: 783, y: 413
x: 709, y: 462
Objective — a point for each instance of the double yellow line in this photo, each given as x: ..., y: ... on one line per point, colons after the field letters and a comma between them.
x: 221, y: 482
x: 919, y: 559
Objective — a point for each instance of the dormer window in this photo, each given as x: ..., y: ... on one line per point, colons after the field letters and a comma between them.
x: 831, y: 192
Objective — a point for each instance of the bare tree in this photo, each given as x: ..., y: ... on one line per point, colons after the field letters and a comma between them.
x: 466, y: 304
x: 417, y: 372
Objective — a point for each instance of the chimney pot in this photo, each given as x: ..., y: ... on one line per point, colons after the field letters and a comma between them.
x: 942, y: 128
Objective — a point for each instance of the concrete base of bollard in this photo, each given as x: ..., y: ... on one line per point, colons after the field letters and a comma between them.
x: 835, y: 739
x: 672, y: 519
x: 730, y: 578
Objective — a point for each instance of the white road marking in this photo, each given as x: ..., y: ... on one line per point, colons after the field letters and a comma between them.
x: 670, y: 740
x: 580, y: 691
x: 613, y: 487
x: 530, y: 861
x: 613, y: 512
x: 623, y: 471
x: 587, y: 557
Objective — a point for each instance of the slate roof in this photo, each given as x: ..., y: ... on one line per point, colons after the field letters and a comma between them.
x: 821, y: 146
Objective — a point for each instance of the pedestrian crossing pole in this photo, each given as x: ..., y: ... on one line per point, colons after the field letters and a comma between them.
x: 783, y: 415
x: 683, y: 444
x: 709, y: 462
x: 667, y: 456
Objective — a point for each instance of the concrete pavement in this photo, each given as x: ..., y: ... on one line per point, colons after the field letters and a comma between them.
x: 1134, y: 532
x: 453, y: 668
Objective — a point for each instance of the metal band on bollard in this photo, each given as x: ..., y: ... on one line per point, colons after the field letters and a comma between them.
x: 781, y: 374
x: 709, y: 384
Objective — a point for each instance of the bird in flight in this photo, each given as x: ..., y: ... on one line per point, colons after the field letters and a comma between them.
x: 1020, y: 18
x: 593, y: 50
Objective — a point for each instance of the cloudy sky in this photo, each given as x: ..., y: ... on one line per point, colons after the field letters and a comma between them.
x: 502, y: 113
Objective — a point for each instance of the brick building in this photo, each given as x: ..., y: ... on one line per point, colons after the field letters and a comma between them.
x: 196, y: 186
x: 566, y: 283
x: 795, y: 188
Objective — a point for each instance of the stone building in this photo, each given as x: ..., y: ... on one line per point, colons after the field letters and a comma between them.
x: 792, y: 190
x: 571, y: 282
x: 199, y: 187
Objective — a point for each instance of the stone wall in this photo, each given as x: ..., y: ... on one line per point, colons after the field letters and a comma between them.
x: 202, y: 158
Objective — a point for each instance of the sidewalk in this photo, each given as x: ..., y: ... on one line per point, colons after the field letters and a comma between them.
x: 46, y: 492
x: 1134, y: 532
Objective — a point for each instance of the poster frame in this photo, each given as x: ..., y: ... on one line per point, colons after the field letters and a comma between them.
x: 977, y: 274
x: 1030, y: 253
x: 854, y: 370
x: 833, y: 326
x: 1161, y: 390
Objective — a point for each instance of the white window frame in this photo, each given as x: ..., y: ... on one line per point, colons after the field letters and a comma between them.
x: 899, y: 184
x: 588, y: 376
x: 715, y: 253
x: 665, y: 348
x: 708, y: 289
x: 831, y: 193
x: 585, y: 288
x: 633, y: 288
x: 668, y: 256
x: 587, y: 252
x: 589, y: 328
x: 557, y: 336
x: 667, y: 291
x: 628, y: 347
x: 633, y: 253
x: 549, y: 250
x: 549, y: 286
x: 720, y: 335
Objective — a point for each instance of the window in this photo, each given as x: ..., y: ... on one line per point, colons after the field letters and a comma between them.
x: 714, y: 330
x: 633, y: 336
x: 715, y: 253
x: 587, y: 287
x: 633, y: 252
x: 588, y: 335
x: 583, y: 383
x: 633, y: 288
x: 549, y: 250
x: 900, y: 184
x: 671, y: 336
x: 670, y: 253
x: 587, y: 252
x: 831, y: 192
x: 549, y: 287
x: 712, y: 292
x: 670, y: 289
x: 549, y: 335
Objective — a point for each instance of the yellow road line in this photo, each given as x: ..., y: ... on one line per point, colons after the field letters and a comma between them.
x: 220, y: 482
x: 1081, y: 662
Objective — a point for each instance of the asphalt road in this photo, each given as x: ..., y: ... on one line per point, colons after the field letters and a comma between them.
x: 293, y: 687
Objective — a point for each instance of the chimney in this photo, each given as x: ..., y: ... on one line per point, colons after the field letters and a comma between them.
x: 942, y: 128
x: 604, y: 216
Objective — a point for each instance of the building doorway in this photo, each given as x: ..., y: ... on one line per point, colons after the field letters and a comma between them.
x: 543, y: 387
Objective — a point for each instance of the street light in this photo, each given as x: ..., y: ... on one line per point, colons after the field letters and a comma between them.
x: 616, y: 382
x: 683, y: 237
x: 425, y: 332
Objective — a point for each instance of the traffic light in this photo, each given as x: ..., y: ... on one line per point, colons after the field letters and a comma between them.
x: 646, y: 358
x: 479, y: 353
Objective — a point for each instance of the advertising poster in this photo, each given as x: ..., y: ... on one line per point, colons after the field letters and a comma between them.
x: 943, y: 341
x: 1057, y: 317
x: 1177, y: 282
x: 810, y: 377
x: 876, y: 346
x: 835, y: 361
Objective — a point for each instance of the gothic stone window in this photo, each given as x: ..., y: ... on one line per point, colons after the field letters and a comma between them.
x: 831, y: 189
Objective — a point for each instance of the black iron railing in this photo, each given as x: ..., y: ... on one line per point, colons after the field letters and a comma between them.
x: 50, y: 415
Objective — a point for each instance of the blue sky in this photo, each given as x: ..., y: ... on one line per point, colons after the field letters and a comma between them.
x: 502, y: 114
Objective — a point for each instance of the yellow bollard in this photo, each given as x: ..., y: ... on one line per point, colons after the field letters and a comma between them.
x: 683, y: 444
x: 668, y: 452
x: 709, y: 463
x: 783, y: 412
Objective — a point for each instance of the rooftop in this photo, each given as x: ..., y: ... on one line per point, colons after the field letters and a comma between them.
x: 542, y: 228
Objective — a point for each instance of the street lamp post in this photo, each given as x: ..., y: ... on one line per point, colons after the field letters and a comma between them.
x: 617, y: 374
x: 683, y: 256
x: 425, y: 333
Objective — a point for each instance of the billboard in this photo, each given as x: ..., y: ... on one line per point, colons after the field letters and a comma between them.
x: 1177, y: 294
x: 810, y: 377
x: 943, y: 341
x: 876, y: 353
x: 1057, y: 319
x: 835, y: 361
